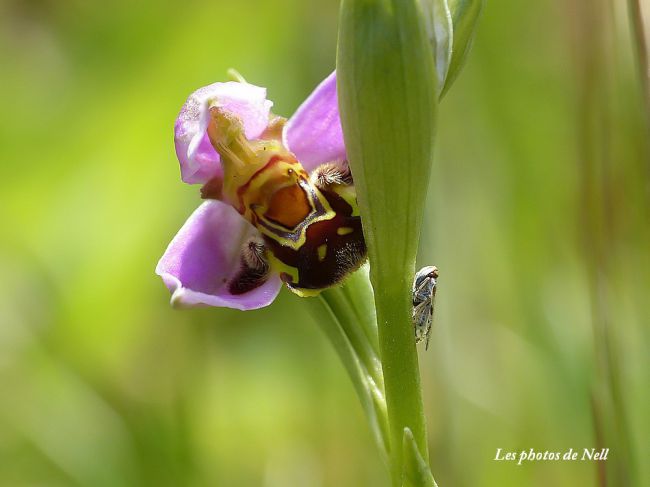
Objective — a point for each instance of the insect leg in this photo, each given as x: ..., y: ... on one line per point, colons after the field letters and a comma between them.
x: 420, y: 292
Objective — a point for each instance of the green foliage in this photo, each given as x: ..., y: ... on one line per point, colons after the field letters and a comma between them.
x: 464, y: 21
x: 104, y: 385
x: 346, y: 315
x: 388, y: 102
x: 416, y: 469
x: 451, y: 26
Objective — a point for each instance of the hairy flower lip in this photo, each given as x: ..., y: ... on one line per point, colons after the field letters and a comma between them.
x: 204, y: 256
x: 206, y: 252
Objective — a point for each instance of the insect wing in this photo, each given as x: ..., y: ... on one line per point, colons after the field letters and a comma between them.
x: 422, y: 321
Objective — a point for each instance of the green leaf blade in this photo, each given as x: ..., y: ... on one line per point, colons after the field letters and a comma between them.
x: 388, y: 101
x: 465, y: 15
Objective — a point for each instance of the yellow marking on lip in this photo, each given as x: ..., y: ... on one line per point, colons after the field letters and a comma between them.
x: 280, y: 267
x: 322, y: 252
x: 344, y: 230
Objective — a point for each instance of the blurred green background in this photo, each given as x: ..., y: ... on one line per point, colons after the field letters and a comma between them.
x: 538, y: 219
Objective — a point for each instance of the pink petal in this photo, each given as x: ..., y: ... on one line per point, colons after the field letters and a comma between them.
x: 204, y: 256
x: 314, y: 132
x: 199, y: 161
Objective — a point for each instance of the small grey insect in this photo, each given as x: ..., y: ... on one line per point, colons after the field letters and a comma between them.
x: 424, y: 293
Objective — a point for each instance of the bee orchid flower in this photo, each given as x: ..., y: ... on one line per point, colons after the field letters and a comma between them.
x: 226, y: 137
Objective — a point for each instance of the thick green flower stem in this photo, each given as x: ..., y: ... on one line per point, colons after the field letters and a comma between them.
x: 401, y: 376
x: 388, y: 101
x: 346, y: 315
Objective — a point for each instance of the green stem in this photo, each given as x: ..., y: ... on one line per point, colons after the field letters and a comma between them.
x: 388, y: 103
x: 401, y: 373
x: 342, y: 308
x: 346, y: 316
x: 362, y: 301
